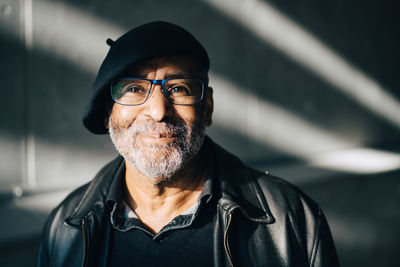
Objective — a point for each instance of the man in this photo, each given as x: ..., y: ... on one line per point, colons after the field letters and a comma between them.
x: 174, y: 197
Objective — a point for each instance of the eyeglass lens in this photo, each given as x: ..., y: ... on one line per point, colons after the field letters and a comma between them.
x: 178, y: 91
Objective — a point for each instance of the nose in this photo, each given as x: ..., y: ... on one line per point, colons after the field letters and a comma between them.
x: 157, y: 105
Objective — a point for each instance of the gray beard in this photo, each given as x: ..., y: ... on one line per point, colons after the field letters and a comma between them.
x: 158, y: 162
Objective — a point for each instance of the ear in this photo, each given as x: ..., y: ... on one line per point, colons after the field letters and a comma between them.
x: 109, y: 110
x: 106, y: 121
x: 209, y: 106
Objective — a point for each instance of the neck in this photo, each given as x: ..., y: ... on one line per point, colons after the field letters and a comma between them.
x: 156, y: 204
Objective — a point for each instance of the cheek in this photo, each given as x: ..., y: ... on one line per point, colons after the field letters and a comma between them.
x: 188, y: 114
x: 124, y: 115
x: 191, y: 116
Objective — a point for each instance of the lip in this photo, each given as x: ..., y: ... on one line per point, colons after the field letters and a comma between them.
x: 157, y: 135
x: 160, y: 137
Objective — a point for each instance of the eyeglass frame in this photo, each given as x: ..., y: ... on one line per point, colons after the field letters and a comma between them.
x: 163, y: 90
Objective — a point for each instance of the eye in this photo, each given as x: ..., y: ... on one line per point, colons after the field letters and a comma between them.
x: 179, y: 90
x: 134, y: 89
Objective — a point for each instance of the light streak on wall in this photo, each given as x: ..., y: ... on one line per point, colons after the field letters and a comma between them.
x: 82, y: 43
x: 357, y: 160
x: 70, y: 165
x: 279, y: 31
x: 259, y: 120
x: 238, y: 110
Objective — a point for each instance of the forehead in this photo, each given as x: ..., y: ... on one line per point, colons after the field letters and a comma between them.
x: 172, y: 65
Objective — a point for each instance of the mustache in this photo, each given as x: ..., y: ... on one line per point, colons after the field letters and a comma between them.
x: 158, y: 128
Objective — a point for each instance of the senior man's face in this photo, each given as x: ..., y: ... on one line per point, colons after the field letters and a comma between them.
x: 158, y: 138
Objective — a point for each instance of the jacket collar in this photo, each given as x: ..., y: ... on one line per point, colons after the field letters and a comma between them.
x: 104, y: 188
x: 235, y: 183
x: 238, y: 186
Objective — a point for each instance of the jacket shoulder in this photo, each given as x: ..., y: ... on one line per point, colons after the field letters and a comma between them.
x: 281, y: 192
x: 62, y: 228
x: 56, y: 231
x: 291, y: 219
x: 302, y: 216
x: 286, y: 201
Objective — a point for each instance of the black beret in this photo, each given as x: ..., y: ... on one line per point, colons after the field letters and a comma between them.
x: 151, y: 40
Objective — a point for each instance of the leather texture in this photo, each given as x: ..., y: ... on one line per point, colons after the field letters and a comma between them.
x: 261, y: 220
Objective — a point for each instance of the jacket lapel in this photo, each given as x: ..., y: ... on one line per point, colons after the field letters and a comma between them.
x: 238, y: 186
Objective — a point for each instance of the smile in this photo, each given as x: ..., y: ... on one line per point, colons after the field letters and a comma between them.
x: 157, y: 137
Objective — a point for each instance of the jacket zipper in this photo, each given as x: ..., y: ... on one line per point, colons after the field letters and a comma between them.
x: 228, y: 254
x: 84, y: 242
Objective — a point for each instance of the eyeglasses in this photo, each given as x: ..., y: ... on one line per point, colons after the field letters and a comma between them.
x: 133, y: 91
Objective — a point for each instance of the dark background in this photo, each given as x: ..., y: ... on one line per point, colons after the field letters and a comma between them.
x: 295, y: 82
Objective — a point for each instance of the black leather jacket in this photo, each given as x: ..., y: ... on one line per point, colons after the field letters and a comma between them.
x: 261, y: 221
